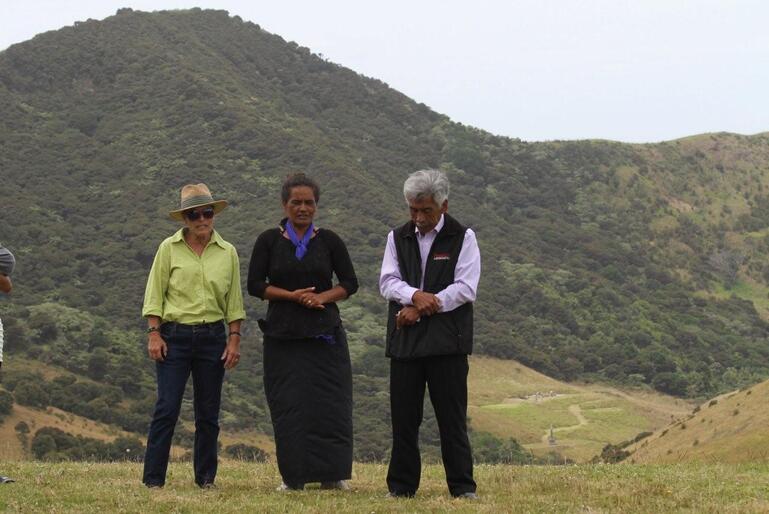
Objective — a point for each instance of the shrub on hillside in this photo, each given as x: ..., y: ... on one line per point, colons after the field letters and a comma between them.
x: 12, y: 378
x: 15, y: 336
x: 489, y: 449
x: 670, y: 383
x: 22, y: 431
x: 53, y: 444
x: 43, y: 323
x: 43, y: 447
x: 246, y: 452
x: 6, y: 403
x: 613, y: 453
x: 31, y: 394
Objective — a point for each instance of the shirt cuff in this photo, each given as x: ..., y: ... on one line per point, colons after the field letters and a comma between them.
x: 152, y: 310
x: 350, y: 287
x: 240, y: 315
x: 443, y: 299
x: 406, y: 293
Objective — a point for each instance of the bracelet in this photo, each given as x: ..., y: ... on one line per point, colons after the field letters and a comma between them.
x: 235, y: 334
x: 153, y: 329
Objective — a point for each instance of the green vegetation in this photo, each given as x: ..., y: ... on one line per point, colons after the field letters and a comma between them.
x: 245, y: 452
x: 509, y: 399
x: 555, y: 413
x: 6, y: 404
x: 248, y: 487
x: 602, y: 261
x: 604, y: 423
x: 53, y: 444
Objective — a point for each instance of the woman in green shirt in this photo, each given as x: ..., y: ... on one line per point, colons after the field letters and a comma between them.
x: 193, y: 290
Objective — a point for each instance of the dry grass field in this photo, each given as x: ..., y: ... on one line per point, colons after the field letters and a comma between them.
x: 731, y: 428
x: 244, y: 487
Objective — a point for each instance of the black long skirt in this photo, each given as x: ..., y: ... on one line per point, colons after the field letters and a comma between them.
x: 308, y: 383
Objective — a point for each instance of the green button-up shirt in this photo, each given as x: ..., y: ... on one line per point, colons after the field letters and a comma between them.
x: 191, y: 289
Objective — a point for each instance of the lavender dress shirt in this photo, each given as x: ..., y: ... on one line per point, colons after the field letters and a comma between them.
x: 466, y: 274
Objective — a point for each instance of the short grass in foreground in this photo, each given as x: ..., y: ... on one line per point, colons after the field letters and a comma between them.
x: 244, y: 487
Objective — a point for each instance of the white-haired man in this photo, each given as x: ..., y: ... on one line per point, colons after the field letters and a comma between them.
x: 430, y: 274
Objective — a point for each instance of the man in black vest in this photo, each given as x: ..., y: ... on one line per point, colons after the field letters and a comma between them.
x: 430, y: 274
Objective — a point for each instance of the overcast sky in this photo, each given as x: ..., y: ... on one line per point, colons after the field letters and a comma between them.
x: 637, y: 71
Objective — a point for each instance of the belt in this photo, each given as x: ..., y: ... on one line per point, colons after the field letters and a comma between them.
x: 198, y: 325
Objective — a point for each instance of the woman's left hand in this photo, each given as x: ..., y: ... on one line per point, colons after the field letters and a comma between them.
x: 312, y: 300
x: 231, y: 355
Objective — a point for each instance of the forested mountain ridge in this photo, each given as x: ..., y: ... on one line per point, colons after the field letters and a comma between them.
x: 639, y: 264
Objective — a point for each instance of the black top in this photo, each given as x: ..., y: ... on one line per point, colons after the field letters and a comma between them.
x: 273, y: 262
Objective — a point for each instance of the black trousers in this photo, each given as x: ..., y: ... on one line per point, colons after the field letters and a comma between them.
x: 195, y: 349
x: 446, y: 378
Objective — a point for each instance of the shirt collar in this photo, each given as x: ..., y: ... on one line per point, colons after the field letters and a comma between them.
x: 435, y: 230
x: 215, y: 237
x: 282, y: 226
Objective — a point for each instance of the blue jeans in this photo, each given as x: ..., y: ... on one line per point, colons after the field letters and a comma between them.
x: 197, y: 349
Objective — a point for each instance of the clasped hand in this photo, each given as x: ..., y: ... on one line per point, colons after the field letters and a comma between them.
x: 308, y: 298
x: 406, y: 316
x: 424, y: 304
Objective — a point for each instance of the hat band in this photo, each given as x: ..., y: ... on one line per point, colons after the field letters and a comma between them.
x: 194, y: 201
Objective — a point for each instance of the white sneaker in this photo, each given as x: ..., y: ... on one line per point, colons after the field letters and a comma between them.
x: 285, y: 487
x: 340, y: 485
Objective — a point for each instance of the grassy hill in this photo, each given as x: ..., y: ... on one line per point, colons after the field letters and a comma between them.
x: 16, y: 444
x: 509, y: 400
x: 639, y: 265
x: 246, y: 487
x: 729, y: 428
x: 506, y: 399
x: 636, y: 263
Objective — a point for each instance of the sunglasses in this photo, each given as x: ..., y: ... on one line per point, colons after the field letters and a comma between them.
x: 194, y: 215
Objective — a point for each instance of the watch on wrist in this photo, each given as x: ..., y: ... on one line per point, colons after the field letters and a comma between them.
x: 153, y: 329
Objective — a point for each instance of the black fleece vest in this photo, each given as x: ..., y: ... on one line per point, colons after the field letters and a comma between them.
x: 447, y: 333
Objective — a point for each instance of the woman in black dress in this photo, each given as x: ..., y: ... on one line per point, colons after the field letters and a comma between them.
x: 307, y: 372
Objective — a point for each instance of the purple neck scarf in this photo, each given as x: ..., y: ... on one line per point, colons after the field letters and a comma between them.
x: 300, y: 244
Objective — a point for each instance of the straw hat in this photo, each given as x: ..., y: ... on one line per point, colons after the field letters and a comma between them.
x: 197, y: 195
